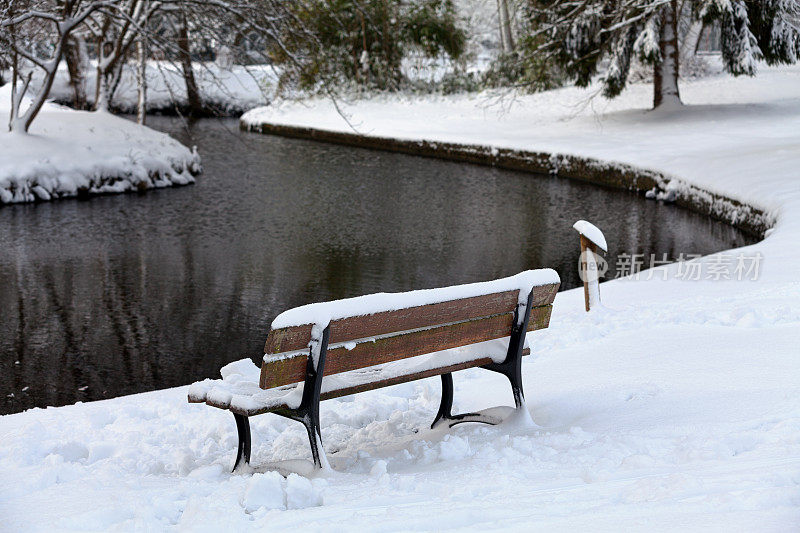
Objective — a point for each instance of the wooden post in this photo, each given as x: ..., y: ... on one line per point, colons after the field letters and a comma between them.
x: 586, y: 244
x: 592, y: 240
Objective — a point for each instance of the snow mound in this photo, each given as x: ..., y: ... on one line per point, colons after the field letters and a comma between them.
x: 271, y: 491
x: 73, y: 153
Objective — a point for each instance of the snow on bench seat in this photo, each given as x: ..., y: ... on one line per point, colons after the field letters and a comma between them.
x: 239, y: 391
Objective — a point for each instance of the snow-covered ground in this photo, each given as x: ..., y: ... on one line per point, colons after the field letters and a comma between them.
x: 675, y: 406
x: 71, y: 152
x: 232, y: 90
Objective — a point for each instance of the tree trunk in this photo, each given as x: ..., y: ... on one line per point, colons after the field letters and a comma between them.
x: 116, y: 77
x: 506, y: 38
x: 101, y: 92
x: 665, y: 76
x: 23, y: 123
x: 14, y: 122
x: 192, y: 94
x: 691, y: 40
x: 76, y: 67
x: 141, y: 80
x: 100, y: 85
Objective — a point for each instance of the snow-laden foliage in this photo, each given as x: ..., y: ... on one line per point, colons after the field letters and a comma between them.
x: 588, y: 37
x: 647, y: 44
x: 619, y: 63
x: 592, y: 37
x: 752, y: 31
x: 739, y: 47
x: 582, y: 36
x: 776, y: 31
x: 323, y: 45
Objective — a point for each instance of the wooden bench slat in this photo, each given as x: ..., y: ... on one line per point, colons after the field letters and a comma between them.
x: 288, y: 339
x: 387, y: 349
x: 359, y: 327
x: 405, y: 345
x: 540, y: 317
x: 363, y: 387
x: 365, y: 326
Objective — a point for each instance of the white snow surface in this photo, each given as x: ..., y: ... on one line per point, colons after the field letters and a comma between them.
x: 591, y: 232
x: 673, y: 406
x: 68, y: 151
x: 322, y: 313
x: 229, y: 90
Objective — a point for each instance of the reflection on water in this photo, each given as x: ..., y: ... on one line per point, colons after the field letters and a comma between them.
x: 122, y: 294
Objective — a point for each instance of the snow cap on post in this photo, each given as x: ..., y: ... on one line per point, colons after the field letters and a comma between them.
x: 591, y: 232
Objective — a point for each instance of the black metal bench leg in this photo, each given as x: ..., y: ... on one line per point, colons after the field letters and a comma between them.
x: 243, y: 428
x: 315, y: 440
x: 445, y: 414
x: 514, y: 376
x: 308, y: 412
x: 446, y: 407
x: 512, y: 366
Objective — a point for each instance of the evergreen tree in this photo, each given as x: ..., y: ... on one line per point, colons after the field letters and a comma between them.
x: 327, y: 43
x: 585, y: 36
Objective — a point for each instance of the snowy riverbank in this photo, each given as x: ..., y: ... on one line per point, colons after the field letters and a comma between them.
x: 225, y: 91
x: 742, y: 121
x: 675, y: 406
x: 71, y: 153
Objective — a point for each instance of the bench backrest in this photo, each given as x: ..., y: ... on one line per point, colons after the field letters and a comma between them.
x: 371, y: 339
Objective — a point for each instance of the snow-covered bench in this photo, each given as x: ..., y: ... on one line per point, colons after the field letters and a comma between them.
x: 379, y: 340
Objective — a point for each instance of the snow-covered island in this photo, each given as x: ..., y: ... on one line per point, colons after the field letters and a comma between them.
x: 71, y: 153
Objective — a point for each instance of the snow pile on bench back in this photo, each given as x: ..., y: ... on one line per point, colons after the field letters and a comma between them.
x: 238, y: 390
x: 323, y: 313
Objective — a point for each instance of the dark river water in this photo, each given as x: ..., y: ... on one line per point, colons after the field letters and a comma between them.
x: 128, y: 293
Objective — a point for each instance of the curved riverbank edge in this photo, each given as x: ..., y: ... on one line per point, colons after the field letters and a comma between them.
x: 608, y: 174
x: 47, y: 183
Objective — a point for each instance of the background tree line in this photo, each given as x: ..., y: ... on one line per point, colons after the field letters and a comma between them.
x: 312, y: 44
x: 331, y: 45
